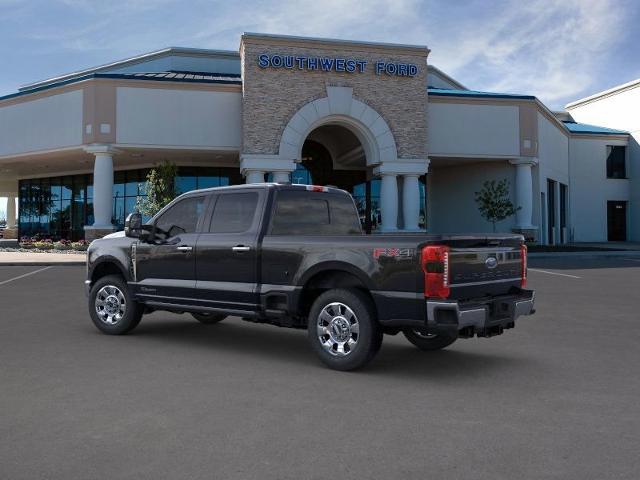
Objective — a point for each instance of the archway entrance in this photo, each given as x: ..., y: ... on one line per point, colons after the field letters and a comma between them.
x: 333, y: 155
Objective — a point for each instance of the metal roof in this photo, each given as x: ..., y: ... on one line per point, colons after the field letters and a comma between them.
x: 444, y: 92
x: 145, y: 57
x: 176, y: 75
x: 575, y: 127
x: 186, y: 77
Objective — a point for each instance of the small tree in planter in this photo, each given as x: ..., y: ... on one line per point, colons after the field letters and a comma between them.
x: 494, y: 203
x: 160, y: 189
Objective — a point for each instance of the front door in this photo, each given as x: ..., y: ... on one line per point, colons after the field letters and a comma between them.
x: 165, y: 272
x: 227, y: 252
x: 617, y: 221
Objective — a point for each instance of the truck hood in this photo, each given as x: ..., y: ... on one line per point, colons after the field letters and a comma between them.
x: 115, y: 234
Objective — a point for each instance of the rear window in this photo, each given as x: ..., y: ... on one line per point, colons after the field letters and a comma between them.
x: 314, y: 213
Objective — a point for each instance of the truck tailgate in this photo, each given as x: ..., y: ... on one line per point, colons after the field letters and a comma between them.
x: 482, y: 267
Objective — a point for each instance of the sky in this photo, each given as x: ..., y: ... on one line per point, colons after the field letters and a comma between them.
x: 557, y: 50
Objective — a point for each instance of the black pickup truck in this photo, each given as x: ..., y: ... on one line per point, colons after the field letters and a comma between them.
x: 295, y: 256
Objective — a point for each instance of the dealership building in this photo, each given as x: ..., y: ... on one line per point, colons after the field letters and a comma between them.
x: 411, y: 144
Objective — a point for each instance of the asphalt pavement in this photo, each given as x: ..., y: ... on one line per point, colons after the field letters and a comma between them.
x: 557, y: 397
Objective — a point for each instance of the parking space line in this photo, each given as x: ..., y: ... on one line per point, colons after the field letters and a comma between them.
x: 553, y: 273
x: 25, y: 275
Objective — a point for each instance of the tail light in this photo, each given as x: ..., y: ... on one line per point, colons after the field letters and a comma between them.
x: 523, y: 264
x: 435, y: 265
x: 317, y: 188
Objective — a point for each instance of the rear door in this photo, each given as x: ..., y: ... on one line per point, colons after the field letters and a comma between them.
x: 227, y: 252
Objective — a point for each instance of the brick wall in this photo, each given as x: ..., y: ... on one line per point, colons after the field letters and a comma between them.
x: 271, y: 96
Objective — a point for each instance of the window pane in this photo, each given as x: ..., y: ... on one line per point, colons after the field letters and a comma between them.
x: 66, y: 218
x: 118, y: 212
x: 90, y: 186
x: 234, y: 212
x: 67, y: 188
x: 55, y: 217
x: 208, y: 182
x: 131, y: 185
x: 616, y: 167
x: 182, y: 217
x: 129, y: 205
x: 118, y: 184
x: 301, y: 175
x: 79, y: 187
x: 186, y: 180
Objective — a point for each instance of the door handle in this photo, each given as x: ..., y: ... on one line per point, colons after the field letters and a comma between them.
x: 240, y: 248
x: 184, y: 248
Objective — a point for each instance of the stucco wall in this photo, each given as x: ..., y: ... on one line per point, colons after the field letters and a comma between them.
x: 590, y: 189
x: 452, y: 196
x: 45, y: 123
x: 165, y: 117
x: 464, y: 129
x: 621, y: 111
x: 271, y: 96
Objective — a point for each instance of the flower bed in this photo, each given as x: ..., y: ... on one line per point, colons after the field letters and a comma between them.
x: 48, y: 245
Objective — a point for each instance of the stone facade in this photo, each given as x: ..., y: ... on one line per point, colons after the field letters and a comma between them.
x: 272, y: 96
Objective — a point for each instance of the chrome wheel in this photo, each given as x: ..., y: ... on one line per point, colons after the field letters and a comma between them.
x: 110, y: 304
x: 338, y: 329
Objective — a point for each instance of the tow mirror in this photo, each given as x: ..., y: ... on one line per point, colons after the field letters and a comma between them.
x: 133, y: 225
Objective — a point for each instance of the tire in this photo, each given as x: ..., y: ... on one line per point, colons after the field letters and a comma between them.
x: 343, y: 329
x: 112, y: 307
x: 429, y: 342
x: 208, y: 318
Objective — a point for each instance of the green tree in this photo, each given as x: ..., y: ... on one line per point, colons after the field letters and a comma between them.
x: 161, y: 188
x: 494, y: 203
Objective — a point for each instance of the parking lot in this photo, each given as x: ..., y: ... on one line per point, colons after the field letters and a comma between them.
x: 557, y: 397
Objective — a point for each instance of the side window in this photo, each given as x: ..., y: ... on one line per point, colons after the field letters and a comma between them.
x: 300, y: 213
x: 182, y: 217
x: 305, y: 213
x: 234, y: 212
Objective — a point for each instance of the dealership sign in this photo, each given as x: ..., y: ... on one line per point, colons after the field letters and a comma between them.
x: 333, y: 64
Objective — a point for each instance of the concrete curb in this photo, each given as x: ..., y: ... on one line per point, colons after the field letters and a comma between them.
x: 614, y: 254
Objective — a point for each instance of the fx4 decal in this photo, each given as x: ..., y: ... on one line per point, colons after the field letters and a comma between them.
x: 393, y: 252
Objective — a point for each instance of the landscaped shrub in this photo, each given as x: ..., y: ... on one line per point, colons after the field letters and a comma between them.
x: 62, y: 245
x: 81, y: 245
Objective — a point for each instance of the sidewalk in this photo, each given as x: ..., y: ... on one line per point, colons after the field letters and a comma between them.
x: 592, y: 253
x: 32, y: 258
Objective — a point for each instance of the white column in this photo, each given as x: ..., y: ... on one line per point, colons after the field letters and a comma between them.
x: 254, y: 176
x: 102, y: 186
x: 389, y: 202
x: 524, y: 192
x: 11, y: 212
x: 411, y: 202
x: 281, y: 176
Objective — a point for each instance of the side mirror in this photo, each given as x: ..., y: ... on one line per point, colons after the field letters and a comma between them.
x: 133, y: 225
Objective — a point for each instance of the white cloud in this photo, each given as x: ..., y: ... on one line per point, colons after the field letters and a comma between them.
x: 554, y: 49
x: 548, y: 48
x: 542, y: 47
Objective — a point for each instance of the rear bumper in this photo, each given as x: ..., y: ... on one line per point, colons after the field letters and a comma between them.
x: 482, y: 318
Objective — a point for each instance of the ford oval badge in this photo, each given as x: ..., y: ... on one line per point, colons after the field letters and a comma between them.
x: 491, y: 262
